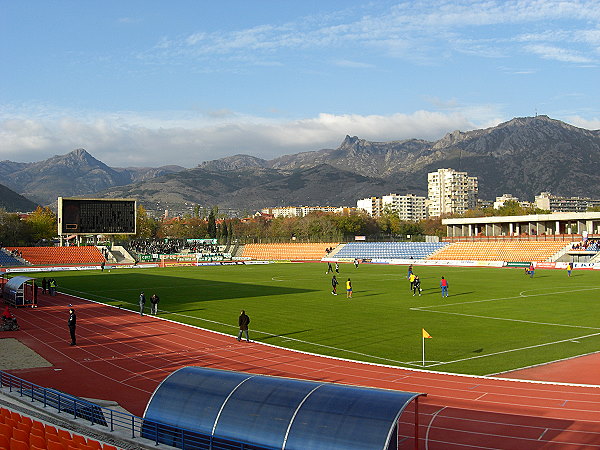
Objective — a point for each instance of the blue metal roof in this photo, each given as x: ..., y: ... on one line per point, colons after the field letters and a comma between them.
x: 274, y: 412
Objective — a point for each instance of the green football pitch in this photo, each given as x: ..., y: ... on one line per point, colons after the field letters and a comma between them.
x: 494, y: 320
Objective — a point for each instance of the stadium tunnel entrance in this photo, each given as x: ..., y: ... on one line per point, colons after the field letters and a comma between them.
x: 212, y: 408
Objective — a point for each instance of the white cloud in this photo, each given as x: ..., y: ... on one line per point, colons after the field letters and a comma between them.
x: 558, y: 54
x: 588, y: 124
x: 418, y: 31
x: 128, y: 139
x: 352, y: 64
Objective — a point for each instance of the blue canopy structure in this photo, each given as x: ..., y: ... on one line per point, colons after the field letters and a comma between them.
x: 273, y: 413
x: 15, y: 294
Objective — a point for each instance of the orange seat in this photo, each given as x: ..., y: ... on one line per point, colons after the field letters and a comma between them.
x: 108, y: 447
x: 79, y: 439
x: 6, y: 430
x: 93, y: 444
x: 4, y: 441
x: 64, y: 434
x: 35, y: 431
x: 50, y: 430
x: 20, y: 435
x: 15, y: 444
x: 54, y: 445
x: 26, y: 421
x: 37, y: 441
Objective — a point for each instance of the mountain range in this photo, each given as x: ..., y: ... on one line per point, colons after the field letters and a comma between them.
x: 523, y: 157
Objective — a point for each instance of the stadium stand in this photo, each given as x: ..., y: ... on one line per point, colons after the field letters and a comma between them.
x: 592, y: 245
x: 289, y: 251
x: 22, y: 432
x: 389, y: 250
x: 500, y: 251
x: 7, y: 260
x: 60, y: 255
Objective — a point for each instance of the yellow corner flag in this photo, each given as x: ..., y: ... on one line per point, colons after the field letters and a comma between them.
x: 426, y: 335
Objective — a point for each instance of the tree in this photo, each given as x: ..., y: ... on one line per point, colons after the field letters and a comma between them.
x: 146, y: 227
x: 42, y: 225
x: 433, y: 227
x: 212, y: 224
x: 224, y: 232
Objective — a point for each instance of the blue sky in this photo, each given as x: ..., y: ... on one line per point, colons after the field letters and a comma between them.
x: 149, y: 83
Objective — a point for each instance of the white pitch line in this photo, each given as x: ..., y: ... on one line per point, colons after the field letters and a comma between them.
x: 512, y: 320
x: 514, y: 350
x: 503, y: 298
x: 265, y: 333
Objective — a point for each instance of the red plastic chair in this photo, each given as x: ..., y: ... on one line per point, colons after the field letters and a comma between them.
x: 20, y: 435
x: 79, y: 439
x: 18, y: 445
x: 92, y: 444
x: 50, y: 430
x: 6, y: 430
x: 37, y: 441
x: 54, y: 445
x: 64, y: 434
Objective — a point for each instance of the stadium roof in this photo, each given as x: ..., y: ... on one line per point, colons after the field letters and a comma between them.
x: 273, y: 412
x: 559, y: 216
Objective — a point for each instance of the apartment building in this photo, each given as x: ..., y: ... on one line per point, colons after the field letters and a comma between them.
x: 450, y: 192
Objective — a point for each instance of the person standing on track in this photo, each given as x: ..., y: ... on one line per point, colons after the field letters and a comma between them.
x: 72, y: 323
x: 243, y: 322
x: 142, y: 302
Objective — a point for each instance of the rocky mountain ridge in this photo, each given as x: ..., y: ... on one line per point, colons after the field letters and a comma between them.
x: 523, y: 156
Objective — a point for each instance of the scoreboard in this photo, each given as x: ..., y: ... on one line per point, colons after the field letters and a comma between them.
x: 96, y: 216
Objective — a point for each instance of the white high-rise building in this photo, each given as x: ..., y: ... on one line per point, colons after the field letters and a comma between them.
x: 450, y: 192
x: 408, y: 207
x: 372, y: 205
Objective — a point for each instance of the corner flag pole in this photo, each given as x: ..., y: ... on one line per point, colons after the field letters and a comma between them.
x: 426, y: 335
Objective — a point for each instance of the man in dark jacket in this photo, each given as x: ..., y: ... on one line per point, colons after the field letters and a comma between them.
x: 72, y: 322
x: 243, y: 322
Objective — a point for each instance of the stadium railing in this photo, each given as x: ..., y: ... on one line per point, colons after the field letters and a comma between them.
x: 111, y: 420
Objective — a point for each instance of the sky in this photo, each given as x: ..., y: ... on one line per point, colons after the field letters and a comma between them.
x: 146, y: 83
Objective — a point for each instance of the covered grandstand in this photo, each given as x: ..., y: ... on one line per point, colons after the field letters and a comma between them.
x: 500, y: 251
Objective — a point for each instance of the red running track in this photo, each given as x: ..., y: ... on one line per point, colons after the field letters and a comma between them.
x: 123, y: 357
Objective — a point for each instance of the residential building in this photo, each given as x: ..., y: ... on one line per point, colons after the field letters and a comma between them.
x: 450, y: 192
x: 555, y: 203
x: 408, y: 207
x: 372, y: 205
x: 301, y: 211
